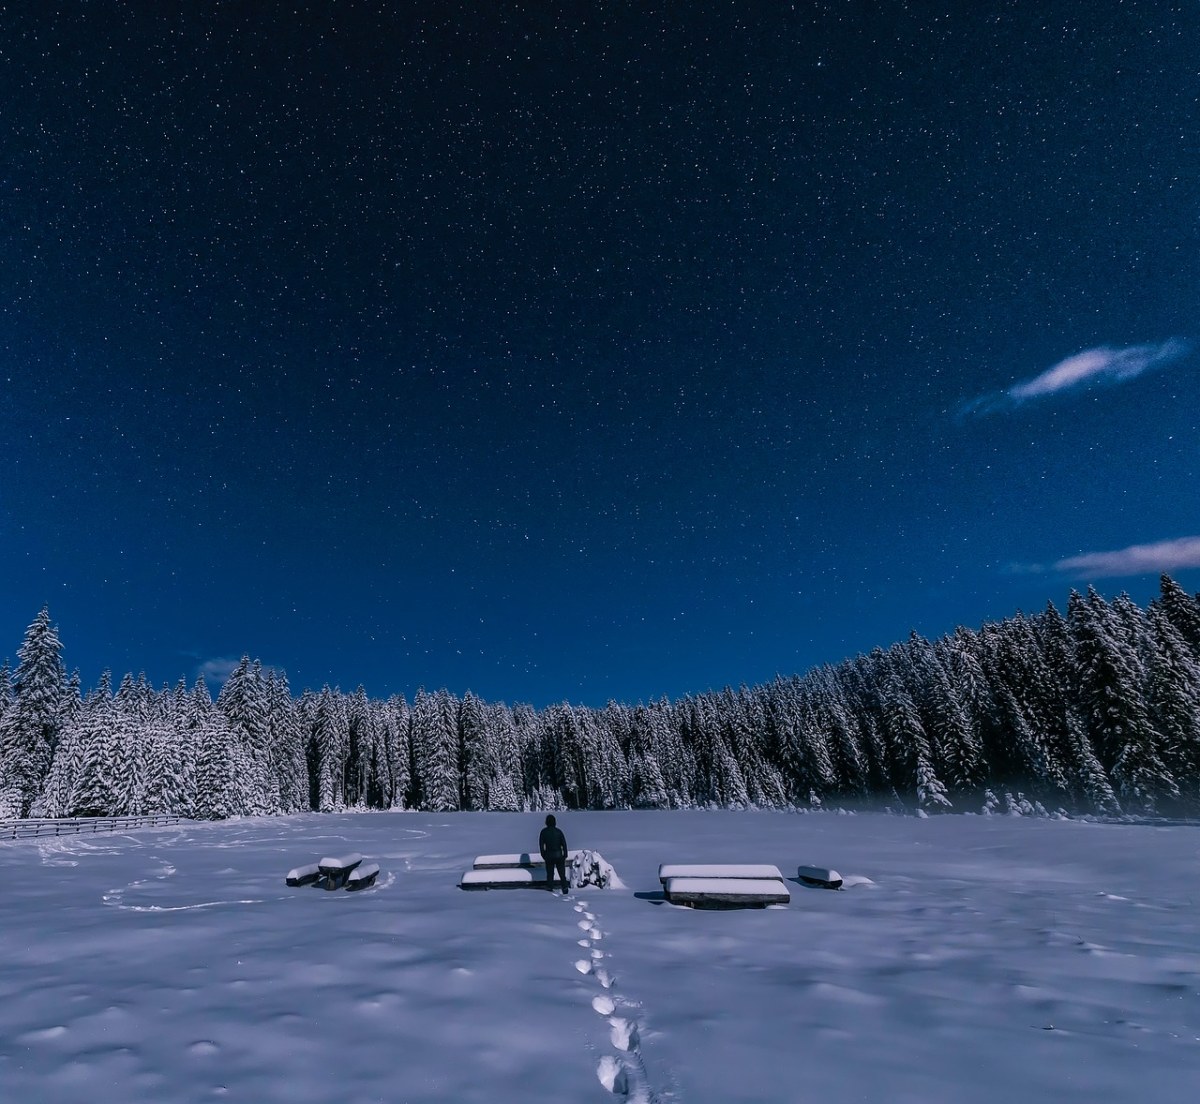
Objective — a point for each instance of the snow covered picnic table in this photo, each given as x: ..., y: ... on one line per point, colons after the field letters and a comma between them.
x: 522, y: 868
x: 334, y: 872
x: 723, y: 884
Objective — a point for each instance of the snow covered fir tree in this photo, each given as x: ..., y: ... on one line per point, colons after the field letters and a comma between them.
x: 1096, y: 711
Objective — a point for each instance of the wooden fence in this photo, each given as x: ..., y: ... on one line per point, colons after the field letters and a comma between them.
x: 27, y: 829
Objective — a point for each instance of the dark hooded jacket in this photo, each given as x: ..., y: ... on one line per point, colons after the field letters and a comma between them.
x: 552, y: 843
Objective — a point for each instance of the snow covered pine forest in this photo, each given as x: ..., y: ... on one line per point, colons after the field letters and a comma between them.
x: 1097, y: 711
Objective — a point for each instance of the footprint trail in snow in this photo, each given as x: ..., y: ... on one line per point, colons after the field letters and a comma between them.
x: 624, y: 1073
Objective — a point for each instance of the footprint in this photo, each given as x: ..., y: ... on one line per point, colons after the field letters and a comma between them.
x: 579, y: 908
x: 597, y: 954
x: 583, y: 942
x: 602, y: 976
x: 624, y: 1034
x: 612, y: 1075
x: 585, y: 967
x: 204, y: 1047
x: 585, y: 925
x: 606, y: 1006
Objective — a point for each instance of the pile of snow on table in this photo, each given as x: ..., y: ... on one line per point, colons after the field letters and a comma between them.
x: 590, y: 869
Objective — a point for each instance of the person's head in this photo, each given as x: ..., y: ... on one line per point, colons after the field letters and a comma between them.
x: 550, y: 821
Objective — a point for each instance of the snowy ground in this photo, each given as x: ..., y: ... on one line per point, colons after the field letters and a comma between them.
x: 990, y: 960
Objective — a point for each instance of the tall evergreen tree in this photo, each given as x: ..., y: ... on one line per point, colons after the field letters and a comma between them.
x: 1182, y: 610
x: 1173, y: 693
x: 504, y: 792
x: 910, y: 745
x: 216, y: 762
x: 1118, y: 722
x: 396, y: 742
x: 1091, y: 781
x: 952, y: 737
x: 435, y: 750
x: 287, y: 744
x: 95, y: 783
x: 647, y: 788
x: 850, y: 766
x: 166, y: 786
x: 676, y: 758
x: 360, y: 748
x: 478, y: 767
x: 31, y: 722
x: 326, y: 740
x: 194, y: 714
x: 243, y: 701
x: 132, y: 712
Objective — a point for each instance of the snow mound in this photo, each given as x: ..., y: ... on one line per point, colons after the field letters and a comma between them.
x: 590, y: 869
x: 851, y: 880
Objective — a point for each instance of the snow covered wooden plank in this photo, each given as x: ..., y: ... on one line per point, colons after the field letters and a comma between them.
x: 362, y: 876
x: 340, y: 865
x: 726, y: 891
x: 335, y: 870
x: 303, y: 875
x: 523, y: 858
x: 819, y: 877
x: 718, y: 870
x: 513, y: 877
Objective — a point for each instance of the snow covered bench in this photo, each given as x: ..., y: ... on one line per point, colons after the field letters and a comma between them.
x: 524, y: 868
x: 362, y: 876
x: 521, y: 859
x: 726, y: 891
x: 819, y: 877
x: 514, y: 877
x: 303, y: 875
x: 723, y: 884
x: 718, y: 870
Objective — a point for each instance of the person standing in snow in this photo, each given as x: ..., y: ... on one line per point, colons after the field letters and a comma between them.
x: 553, y: 846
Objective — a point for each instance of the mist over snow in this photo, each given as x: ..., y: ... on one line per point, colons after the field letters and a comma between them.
x: 983, y: 959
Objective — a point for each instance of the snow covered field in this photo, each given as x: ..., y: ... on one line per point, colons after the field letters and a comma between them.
x: 988, y: 960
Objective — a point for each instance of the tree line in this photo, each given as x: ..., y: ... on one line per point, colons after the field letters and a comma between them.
x: 1095, y: 711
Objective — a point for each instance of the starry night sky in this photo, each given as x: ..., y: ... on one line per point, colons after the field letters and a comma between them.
x: 588, y: 350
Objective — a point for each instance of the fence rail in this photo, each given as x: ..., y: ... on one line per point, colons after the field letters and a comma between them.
x: 27, y: 829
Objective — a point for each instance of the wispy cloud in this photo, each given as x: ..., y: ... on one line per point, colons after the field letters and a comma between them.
x: 217, y: 670
x: 1092, y: 367
x: 1137, y: 559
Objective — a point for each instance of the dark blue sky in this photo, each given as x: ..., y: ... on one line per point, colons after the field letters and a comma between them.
x: 575, y: 351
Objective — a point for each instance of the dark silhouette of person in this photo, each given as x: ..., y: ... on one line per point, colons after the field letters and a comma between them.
x: 553, y: 846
